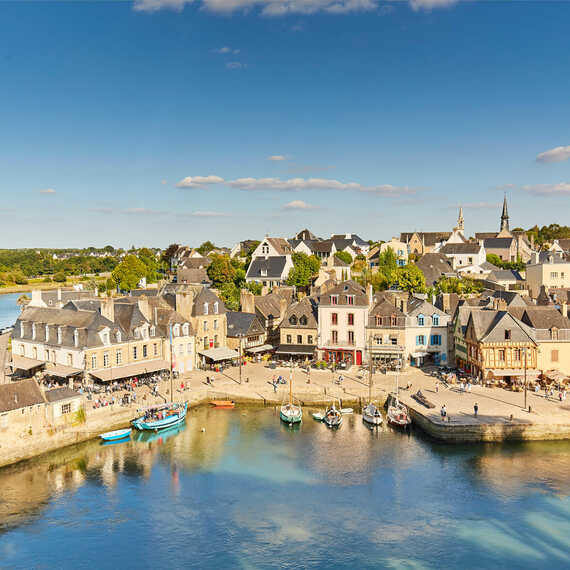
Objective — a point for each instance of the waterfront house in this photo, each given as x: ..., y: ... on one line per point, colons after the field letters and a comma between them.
x: 298, y: 331
x: 246, y: 333
x: 270, y: 309
x: 22, y: 407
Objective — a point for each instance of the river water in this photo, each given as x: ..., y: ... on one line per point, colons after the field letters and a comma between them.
x: 9, y: 310
x: 249, y: 492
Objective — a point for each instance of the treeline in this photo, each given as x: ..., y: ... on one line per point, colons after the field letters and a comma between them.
x: 547, y: 233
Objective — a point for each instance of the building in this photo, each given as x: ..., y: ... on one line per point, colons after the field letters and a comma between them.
x: 192, y: 276
x: 298, y: 331
x: 342, y: 317
x: 399, y: 248
x: 434, y: 266
x: 464, y: 254
x: 420, y: 243
x: 554, y: 274
x: 427, y: 338
x: 246, y: 333
x: 271, y: 271
x: 269, y: 308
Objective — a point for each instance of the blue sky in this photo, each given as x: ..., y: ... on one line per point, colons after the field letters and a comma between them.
x: 166, y: 121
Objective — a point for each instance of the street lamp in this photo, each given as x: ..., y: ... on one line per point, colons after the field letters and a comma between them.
x: 525, y: 364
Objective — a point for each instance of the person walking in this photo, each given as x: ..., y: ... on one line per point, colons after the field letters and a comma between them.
x: 436, y: 387
x: 476, y: 408
x: 274, y: 386
x: 443, y: 411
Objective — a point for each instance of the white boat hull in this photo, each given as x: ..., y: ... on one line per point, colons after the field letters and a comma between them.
x: 372, y: 420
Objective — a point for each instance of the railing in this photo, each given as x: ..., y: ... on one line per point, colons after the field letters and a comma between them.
x: 340, y: 343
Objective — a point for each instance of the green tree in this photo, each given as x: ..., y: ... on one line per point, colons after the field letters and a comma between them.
x: 254, y: 287
x: 168, y: 254
x: 129, y: 272
x: 410, y: 278
x: 494, y: 260
x: 149, y: 259
x: 221, y: 270
x: 230, y: 295
x: 60, y: 277
x: 305, y: 267
x: 205, y: 248
x: 344, y: 256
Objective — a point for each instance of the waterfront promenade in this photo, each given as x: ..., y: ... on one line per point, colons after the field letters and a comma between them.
x: 501, y: 415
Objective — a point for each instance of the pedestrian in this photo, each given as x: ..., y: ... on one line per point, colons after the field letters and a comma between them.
x: 476, y: 408
x: 443, y: 411
x: 469, y: 387
x: 274, y: 386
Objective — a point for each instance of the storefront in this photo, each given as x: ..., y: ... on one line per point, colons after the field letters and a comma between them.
x: 348, y: 357
x: 295, y: 352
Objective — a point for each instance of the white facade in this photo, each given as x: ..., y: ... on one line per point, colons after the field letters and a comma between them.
x: 554, y: 274
x: 427, y: 338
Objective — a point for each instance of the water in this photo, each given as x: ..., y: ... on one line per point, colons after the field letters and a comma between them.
x: 252, y: 493
x: 9, y: 310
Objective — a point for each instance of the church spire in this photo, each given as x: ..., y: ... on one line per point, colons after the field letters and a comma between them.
x: 460, y: 220
x: 505, y: 216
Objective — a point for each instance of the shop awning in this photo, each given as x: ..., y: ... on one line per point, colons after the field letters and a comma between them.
x: 295, y: 349
x: 120, y: 372
x: 262, y: 348
x: 501, y: 372
x: 419, y: 354
x: 62, y: 371
x: 23, y: 363
x: 220, y: 353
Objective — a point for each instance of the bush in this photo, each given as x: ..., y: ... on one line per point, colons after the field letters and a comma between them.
x: 46, y: 280
x: 60, y: 277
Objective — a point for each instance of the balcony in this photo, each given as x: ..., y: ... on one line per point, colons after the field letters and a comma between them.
x: 339, y: 343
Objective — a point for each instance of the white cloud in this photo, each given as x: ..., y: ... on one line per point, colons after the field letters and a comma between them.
x: 560, y: 189
x: 47, y: 191
x: 558, y: 154
x: 277, y: 157
x: 235, y: 65
x: 431, y: 4
x: 226, y: 50
x: 298, y: 205
x: 198, y: 181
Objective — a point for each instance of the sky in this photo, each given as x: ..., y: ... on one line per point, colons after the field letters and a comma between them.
x: 158, y: 121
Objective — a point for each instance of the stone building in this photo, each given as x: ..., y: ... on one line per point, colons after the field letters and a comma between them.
x: 298, y: 331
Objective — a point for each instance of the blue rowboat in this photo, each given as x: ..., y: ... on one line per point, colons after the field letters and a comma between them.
x: 161, y: 417
x: 116, y: 435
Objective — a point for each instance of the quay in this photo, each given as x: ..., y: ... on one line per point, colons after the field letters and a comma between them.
x: 500, y: 415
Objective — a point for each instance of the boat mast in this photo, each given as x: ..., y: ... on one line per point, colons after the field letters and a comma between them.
x: 370, y: 370
x: 291, y: 384
x: 171, y: 365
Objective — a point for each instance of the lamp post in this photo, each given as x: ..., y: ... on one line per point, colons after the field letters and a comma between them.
x: 240, y: 336
x: 525, y: 364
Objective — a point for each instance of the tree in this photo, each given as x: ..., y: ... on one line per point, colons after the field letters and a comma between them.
x: 254, y: 287
x: 149, y: 259
x: 205, y: 248
x: 410, y: 278
x: 494, y: 260
x: 60, y: 277
x: 221, y: 270
x: 168, y: 254
x: 460, y: 286
x: 252, y: 247
x: 230, y: 295
x: 305, y: 267
x: 129, y: 272
x: 344, y: 256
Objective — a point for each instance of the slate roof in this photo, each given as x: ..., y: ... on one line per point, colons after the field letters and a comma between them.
x: 429, y: 238
x: 352, y: 238
x: 192, y: 276
x: 273, y: 268
x: 490, y: 326
x: 195, y: 263
x: 433, y: 266
x: 306, y: 307
x: 20, y: 394
x: 545, y: 318
x: 505, y: 275
x: 207, y: 296
x: 305, y: 235
x: 243, y: 324
x: 460, y: 248
x: 417, y: 306
x: 387, y: 310
x: 58, y: 394
x: 343, y: 290
x: 498, y: 243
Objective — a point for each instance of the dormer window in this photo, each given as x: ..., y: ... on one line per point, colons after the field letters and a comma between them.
x: 421, y: 320
x: 435, y: 320
x: 205, y: 308
x: 119, y: 336
x: 152, y: 331
x: 350, y: 299
x: 293, y: 320
x: 263, y: 272
x: 265, y: 249
x: 176, y: 330
x: 75, y: 337
x: 216, y: 308
x: 334, y: 299
x: 507, y: 334
x: 185, y: 329
x: 554, y: 333
x: 303, y: 320
x: 106, y: 339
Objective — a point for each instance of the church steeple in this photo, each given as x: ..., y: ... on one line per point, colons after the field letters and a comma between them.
x: 505, y: 216
x: 460, y: 220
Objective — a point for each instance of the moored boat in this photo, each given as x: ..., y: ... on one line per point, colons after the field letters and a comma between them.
x: 160, y: 417
x: 223, y: 403
x: 398, y: 415
x: 291, y: 413
x: 419, y: 397
x: 318, y: 416
x: 333, y: 416
x: 116, y: 434
x: 372, y: 415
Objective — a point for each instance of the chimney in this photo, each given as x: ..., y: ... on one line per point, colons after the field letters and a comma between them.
x: 446, y: 302
x: 144, y: 307
x: 59, y: 294
x: 246, y: 301
x: 370, y: 291
x: 564, y: 309
x: 36, y: 298
x: 108, y: 308
x: 282, y: 307
x: 184, y: 303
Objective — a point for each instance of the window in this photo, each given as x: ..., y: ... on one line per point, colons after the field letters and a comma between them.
x: 299, y: 339
x: 119, y: 357
x: 562, y: 275
x: 289, y: 339
x: 501, y: 354
x: 145, y: 351
x: 216, y: 324
x: 420, y: 339
x: 554, y: 356
x: 152, y: 331
x: 69, y: 359
x: 47, y: 333
x: 205, y: 326
x: 310, y: 339
x: 206, y: 342
x: 93, y: 361
x: 185, y: 329
x: 507, y: 334
x: 22, y: 330
x: 436, y: 339
x: 106, y: 359
x: 553, y: 274
x: 350, y: 337
x: 378, y: 339
x: 350, y: 299
x: 176, y: 330
x: 205, y: 308
x: 334, y: 299
x: 188, y: 348
x: 420, y: 320
x: 293, y: 320
x: 393, y: 320
x: 216, y: 341
x: 135, y: 353
x: 378, y: 320
x: 265, y: 249
x: 65, y: 408
x: 517, y: 354
x: 106, y: 338
x: 216, y: 307
x: 350, y: 318
x: 334, y: 318
x: 393, y: 340
x: 470, y: 260
x: 59, y: 335
x: 76, y: 337
x: 119, y: 336
x: 335, y: 337
x: 180, y: 349
x: 22, y: 350
x: 263, y: 272
x: 155, y: 349
x: 435, y: 320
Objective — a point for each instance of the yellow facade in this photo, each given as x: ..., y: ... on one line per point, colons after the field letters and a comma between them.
x: 296, y: 335
x: 554, y: 355
x: 116, y: 355
x: 210, y: 331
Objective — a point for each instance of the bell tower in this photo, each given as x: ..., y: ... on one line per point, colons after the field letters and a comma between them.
x: 505, y: 217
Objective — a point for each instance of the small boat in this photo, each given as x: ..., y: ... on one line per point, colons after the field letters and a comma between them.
x: 223, y: 404
x: 372, y: 415
x: 346, y: 410
x: 333, y: 416
x: 161, y: 417
x: 116, y: 435
x: 318, y: 416
x: 419, y: 397
x: 398, y: 415
x: 291, y: 413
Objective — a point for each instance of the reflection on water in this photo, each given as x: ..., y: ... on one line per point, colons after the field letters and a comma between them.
x: 238, y: 488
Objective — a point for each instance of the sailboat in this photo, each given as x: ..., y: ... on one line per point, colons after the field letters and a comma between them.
x: 398, y: 414
x: 371, y: 414
x: 333, y: 416
x: 290, y: 413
